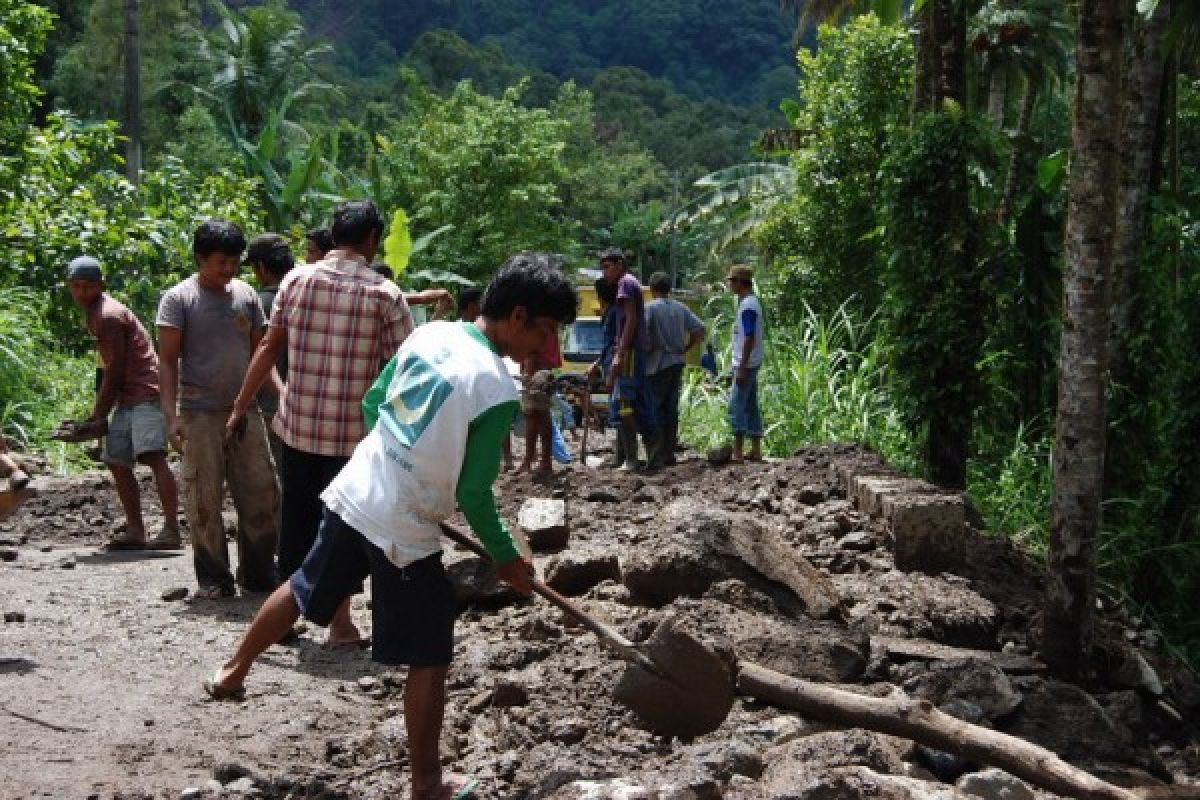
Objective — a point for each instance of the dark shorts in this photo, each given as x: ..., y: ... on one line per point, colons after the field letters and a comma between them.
x: 412, y: 608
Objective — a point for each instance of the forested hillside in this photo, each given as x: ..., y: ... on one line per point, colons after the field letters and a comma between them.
x: 738, y: 50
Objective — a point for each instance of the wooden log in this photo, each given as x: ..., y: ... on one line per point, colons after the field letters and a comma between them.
x: 921, y: 722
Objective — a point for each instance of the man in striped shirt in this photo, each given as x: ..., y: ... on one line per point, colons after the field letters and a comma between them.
x: 339, y: 322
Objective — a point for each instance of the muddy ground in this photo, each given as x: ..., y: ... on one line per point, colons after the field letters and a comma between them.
x: 100, y: 665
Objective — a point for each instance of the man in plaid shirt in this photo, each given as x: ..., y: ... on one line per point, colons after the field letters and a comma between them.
x: 339, y: 322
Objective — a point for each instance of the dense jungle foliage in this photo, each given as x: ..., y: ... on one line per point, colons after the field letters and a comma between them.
x: 907, y: 215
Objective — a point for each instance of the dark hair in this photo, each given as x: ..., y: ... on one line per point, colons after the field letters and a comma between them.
x: 321, y: 238
x: 471, y: 294
x: 612, y: 254
x: 607, y: 292
x: 218, y: 236
x: 271, y: 252
x: 529, y: 280
x: 354, y: 221
x: 660, y: 282
x: 384, y: 269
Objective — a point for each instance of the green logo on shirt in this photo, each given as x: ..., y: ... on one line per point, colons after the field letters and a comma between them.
x: 415, y: 396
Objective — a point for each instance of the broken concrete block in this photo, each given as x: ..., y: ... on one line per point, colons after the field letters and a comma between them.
x: 544, y: 522
x: 765, y: 550
x: 656, y: 577
x: 927, y: 531
x: 869, y: 491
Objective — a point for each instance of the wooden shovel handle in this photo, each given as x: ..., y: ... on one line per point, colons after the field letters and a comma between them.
x: 625, y: 648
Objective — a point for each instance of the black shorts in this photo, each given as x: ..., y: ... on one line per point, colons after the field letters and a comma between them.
x: 412, y: 608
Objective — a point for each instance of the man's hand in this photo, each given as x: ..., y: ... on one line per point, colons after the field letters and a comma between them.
x: 518, y: 574
x: 175, y: 433
x: 70, y: 430
x: 235, y: 426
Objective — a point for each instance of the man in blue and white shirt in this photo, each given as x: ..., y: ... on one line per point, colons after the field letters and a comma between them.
x: 744, y: 415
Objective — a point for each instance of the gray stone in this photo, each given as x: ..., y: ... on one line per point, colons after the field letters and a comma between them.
x: 725, y: 759
x: 1053, y: 715
x: 764, y: 550
x: 854, y: 783
x: 982, y: 685
x: 995, y: 784
x: 927, y: 531
x: 575, y: 573
x: 544, y: 522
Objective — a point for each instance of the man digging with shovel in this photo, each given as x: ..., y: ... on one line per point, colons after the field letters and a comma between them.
x: 447, y: 407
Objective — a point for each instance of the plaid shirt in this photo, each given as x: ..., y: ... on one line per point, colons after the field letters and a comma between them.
x: 343, y: 323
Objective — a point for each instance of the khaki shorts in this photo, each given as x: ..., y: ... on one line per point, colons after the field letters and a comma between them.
x: 536, y: 394
x: 133, y: 432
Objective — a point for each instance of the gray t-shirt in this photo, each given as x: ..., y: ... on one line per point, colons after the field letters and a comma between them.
x: 668, y: 323
x: 217, y: 326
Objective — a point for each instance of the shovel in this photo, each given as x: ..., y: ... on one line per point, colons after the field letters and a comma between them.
x: 682, y: 689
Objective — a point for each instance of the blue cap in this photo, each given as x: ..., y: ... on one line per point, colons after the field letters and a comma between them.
x: 84, y: 268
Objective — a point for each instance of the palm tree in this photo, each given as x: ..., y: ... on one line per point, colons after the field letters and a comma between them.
x: 258, y: 59
x: 1080, y: 422
x: 1026, y: 39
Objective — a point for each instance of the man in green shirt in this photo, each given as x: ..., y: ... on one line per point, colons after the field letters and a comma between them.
x: 438, y: 416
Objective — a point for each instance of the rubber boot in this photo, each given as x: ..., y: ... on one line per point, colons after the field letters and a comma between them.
x: 669, y: 443
x: 629, y: 443
x: 655, y: 452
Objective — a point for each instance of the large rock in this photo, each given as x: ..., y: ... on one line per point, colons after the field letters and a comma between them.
x: 802, y: 648
x: 575, y: 573
x: 543, y: 520
x: 943, y: 609
x: 982, y: 686
x: 927, y: 531
x: 995, y: 784
x: 1067, y: 720
x: 763, y: 549
x: 656, y: 576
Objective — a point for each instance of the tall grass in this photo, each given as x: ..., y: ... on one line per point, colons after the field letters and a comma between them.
x: 40, y: 383
x: 823, y: 380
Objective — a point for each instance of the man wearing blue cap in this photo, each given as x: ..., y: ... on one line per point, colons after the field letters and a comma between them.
x: 137, y: 430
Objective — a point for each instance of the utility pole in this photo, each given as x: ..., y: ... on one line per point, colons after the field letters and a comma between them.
x: 133, y: 95
x: 674, y: 229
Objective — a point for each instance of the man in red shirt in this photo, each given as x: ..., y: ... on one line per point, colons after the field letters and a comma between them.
x: 137, y: 431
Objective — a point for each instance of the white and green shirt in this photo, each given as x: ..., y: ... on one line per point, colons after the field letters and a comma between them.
x: 444, y: 404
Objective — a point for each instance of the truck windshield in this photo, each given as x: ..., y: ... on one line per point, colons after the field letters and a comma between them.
x: 585, y: 336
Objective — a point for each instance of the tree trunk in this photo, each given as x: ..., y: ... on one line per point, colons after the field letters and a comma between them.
x: 950, y: 39
x: 1075, y: 516
x: 1139, y: 126
x: 998, y: 96
x: 1020, y: 149
x: 133, y: 94
x: 926, y: 63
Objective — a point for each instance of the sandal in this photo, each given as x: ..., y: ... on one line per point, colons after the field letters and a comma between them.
x: 215, y: 593
x: 214, y: 689
x: 166, y: 539
x: 123, y: 541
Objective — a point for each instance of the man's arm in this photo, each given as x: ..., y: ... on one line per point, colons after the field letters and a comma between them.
x: 481, y: 465
x: 262, y: 366
x: 170, y: 346
x: 111, y: 344
x: 749, y: 323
